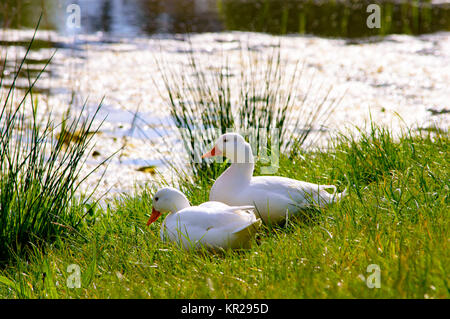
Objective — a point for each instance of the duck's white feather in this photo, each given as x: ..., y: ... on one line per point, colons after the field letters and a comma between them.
x: 212, y: 224
x: 274, y: 197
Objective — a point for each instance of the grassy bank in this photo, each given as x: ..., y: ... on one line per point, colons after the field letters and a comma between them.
x: 396, y: 216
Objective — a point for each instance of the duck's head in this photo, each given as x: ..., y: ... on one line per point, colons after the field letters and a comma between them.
x: 167, y: 200
x: 232, y: 146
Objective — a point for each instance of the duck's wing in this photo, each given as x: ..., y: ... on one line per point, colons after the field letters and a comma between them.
x: 292, y: 191
x: 212, y: 215
x: 214, y: 205
x: 219, y: 206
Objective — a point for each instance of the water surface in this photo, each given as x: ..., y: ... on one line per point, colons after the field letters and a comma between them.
x: 332, y: 18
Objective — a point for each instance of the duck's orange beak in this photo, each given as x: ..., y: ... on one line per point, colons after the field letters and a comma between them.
x: 213, y: 152
x: 154, y: 216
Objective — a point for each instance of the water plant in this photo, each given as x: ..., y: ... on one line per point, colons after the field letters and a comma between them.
x: 264, y: 100
x: 40, y: 169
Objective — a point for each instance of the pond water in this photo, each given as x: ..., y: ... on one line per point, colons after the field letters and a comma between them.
x: 116, y: 52
x: 333, y: 18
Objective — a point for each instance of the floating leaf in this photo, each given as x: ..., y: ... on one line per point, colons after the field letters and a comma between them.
x: 151, y: 169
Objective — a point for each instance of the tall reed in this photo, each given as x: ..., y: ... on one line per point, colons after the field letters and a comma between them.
x: 265, y: 100
x: 40, y: 168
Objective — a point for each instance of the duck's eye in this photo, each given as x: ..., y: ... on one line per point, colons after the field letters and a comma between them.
x: 225, y: 140
x: 156, y: 199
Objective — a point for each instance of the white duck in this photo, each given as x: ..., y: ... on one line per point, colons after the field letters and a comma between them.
x: 274, y: 197
x: 212, y: 224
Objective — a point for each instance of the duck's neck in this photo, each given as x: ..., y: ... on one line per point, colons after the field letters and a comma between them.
x: 242, y: 168
x: 240, y: 171
x: 180, y: 203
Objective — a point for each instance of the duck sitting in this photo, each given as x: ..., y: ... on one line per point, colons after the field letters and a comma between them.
x: 274, y: 197
x: 211, y: 224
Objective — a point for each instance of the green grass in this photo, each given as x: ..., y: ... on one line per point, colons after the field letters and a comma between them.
x: 40, y: 165
x: 395, y: 216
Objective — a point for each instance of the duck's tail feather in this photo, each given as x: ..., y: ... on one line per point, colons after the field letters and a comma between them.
x: 243, y: 235
x: 321, y: 187
x: 246, y: 207
x: 335, y: 197
x: 250, y: 228
x: 325, y: 198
